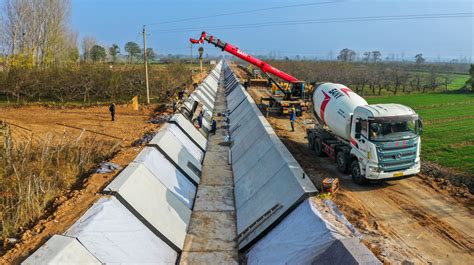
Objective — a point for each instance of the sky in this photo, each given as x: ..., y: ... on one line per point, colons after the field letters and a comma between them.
x: 120, y: 21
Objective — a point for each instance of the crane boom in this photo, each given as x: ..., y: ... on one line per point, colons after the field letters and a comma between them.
x: 265, y: 67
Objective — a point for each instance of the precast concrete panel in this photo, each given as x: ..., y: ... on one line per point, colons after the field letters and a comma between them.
x: 205, y: 92
x: 258, y: 167
x: 60, y: 250
x: 235, y: 99
x: 153, y: 201
x: 257, y: 176
x: 188, y: 127
x: 242, y: 142
x: 174, y: 150
x: 174, y: 180
x: 281, y: 192
x: 199, y: 97
x: 239, y: 112
x: 115, y: 236
x: 194, y: 149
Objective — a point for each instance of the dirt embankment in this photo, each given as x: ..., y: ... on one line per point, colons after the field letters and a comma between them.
x: 72, y: 203
x: 417, y: 219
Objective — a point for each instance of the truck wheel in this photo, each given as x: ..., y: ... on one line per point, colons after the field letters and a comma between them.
x: 341, y: 160
x: 311, y: 142
x: 356, y: 175
x: 318, y: 147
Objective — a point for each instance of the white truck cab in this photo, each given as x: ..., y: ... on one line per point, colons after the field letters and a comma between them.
x: 385, y: 141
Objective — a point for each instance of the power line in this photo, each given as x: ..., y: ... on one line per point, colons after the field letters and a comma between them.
x: 244, y: 12
x: 321, y: 21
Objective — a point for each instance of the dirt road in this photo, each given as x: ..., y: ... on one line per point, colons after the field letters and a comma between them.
x: 401, y: 220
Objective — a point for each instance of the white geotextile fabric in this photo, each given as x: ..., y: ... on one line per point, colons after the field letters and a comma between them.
x: 60, y: 250
x: 192, y: 147
x: 298, y: 239
x: 115, y: 236
x: 167, y: 174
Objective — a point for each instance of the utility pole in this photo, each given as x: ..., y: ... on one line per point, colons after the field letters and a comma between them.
x: 191, y: 49
x: 146, y: 66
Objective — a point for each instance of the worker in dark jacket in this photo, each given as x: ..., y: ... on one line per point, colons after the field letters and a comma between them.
x: 199, y: 119
x: 112, y: 111
x: 213, y: 127
x: 293, y: 118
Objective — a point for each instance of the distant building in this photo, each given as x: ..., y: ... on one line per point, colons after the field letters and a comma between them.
x: 212, y: 62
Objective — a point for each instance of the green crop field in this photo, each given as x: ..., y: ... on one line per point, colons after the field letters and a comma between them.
x: 448, y: 132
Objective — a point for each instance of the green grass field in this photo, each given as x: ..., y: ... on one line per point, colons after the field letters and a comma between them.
x: 448, y: 137
x: 457, y: 80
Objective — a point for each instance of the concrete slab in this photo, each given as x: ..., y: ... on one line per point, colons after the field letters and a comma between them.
x: 61, y: 250
x: 218, y: 176
x: 201, y: 238
x: 188, y: 128
x: 192, y: 148
x: 205, y: 258
x: 218, y: 158
x: 114, y: 235
x: 153, y: 201
x: 173, y: 179
x: 175, y: 151
x: 215, y: 198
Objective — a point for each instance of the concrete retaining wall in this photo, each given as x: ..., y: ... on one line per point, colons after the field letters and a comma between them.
x: 269, y: 182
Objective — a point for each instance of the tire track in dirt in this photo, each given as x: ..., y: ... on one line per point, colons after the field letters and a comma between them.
x: 430, y: 222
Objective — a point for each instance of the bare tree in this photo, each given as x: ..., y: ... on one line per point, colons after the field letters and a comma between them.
x: 37, y: 31
x: 346, y: 55
x: 367, y: 56
x: 87, y: 43
x: 376, y: 56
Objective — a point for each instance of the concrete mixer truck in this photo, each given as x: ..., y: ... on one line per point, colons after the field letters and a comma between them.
x: 370, y: 142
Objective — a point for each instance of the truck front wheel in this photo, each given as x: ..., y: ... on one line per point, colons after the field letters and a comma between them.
x: 341, y: 160
x: 311, y: 140
x: 356, y: 175
x: 318, y: 147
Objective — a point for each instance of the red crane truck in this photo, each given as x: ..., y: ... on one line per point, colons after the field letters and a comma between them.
x: 292, y: 97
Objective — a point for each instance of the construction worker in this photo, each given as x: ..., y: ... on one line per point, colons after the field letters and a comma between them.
x: 199, y: 119
x: 213, y: 127
x: 112, y: 111
x: 293, y: 118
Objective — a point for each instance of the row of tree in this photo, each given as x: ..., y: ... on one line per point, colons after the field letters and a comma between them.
x: 371, y: 78
x: 89, y: 83
x: 97, y: 53
x: 348, y: 55
x: 37, y: 33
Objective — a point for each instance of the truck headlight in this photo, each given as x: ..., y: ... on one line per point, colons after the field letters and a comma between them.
x: 374, y: 169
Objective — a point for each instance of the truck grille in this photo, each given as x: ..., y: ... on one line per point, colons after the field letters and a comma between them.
x: 397, y: 155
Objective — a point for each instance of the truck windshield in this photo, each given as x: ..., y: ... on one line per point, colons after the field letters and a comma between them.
x: 392, y: 130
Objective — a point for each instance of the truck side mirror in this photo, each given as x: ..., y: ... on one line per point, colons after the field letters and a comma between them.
x: 420, y: 126
x: 357, y: 129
